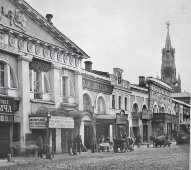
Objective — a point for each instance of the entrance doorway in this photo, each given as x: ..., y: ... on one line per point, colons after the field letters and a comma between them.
x: 145, y: 133
x: 88, y: 132
x: 66, y: 134
x: 4, y: 139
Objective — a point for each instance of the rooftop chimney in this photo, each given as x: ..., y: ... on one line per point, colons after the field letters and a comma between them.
x: 49, y: 17
x: 142, y: 82
x: 88, y: 66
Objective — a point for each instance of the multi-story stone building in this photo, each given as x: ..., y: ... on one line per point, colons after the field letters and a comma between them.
x: 160, y: 103
x: 140, y: 114
x: 181, y: 103
x: 39, y: 73
x: 120, y: 103
x: 96, y: 119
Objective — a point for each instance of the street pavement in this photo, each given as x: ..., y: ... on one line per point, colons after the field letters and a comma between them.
x: 175, y: 157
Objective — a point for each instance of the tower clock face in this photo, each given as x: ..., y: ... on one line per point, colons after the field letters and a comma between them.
x: 168, y: 71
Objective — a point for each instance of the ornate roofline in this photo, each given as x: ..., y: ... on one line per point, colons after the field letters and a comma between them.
x: 40, y: 20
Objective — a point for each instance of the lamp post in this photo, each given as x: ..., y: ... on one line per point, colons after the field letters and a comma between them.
x: 48, y: 156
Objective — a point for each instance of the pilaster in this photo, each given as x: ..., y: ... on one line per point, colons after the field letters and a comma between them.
x: 24, y: 88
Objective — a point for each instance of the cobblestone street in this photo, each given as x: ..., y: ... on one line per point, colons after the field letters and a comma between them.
x: 174, y: 157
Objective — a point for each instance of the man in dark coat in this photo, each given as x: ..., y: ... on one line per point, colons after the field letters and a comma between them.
x: 39, y: 143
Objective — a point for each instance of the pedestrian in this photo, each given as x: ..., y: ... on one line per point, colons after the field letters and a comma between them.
x: 39, y: 143
x: 79, y: 143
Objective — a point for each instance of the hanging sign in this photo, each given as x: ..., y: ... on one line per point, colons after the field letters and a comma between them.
x: 6, y: 105
x: 61, y: 122
x: 121, y: 118
x: 39, y: 65
x: 37, y: 122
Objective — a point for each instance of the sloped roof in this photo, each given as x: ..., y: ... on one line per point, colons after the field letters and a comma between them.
x: 159, y: 82
x: 181, y: 94
x: 39, y: 19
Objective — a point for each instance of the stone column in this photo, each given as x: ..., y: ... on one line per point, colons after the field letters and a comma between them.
x: 24, y: 90
x: 79, y: 90
x: 55, y: 81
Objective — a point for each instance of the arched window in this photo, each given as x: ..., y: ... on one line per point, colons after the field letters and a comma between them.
x: 144, y: 107
x: 86, y: 102
x: 155, y: 110
x: 162, y: 110
x: 135, y: 108
x: 101, y: 106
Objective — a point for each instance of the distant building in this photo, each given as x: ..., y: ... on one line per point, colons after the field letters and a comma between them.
x: 181, y: 103
x: 168, y: 67
x: 165, y: 120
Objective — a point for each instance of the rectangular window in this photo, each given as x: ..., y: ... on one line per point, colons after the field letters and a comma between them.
x: 125, y: 103
x: 37, y: 94
x: 113, y: 101
x: 2, y: 75
x: 119, y: 102
x: 30, y: 79
x: 63, y: 86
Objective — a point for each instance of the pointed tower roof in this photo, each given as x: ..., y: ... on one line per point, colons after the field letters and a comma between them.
x: 168, y: 41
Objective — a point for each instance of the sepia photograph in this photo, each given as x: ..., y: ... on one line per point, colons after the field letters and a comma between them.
x: 95, y: 84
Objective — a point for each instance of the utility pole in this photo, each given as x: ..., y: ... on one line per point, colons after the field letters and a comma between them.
x: 48, y: 156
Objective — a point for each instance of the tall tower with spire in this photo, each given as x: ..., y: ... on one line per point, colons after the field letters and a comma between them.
x: 168, y: 68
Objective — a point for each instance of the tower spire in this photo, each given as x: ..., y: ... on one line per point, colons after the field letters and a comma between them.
x: 168, y: 41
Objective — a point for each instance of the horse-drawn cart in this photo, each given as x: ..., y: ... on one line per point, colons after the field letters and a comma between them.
x: 160, y: 140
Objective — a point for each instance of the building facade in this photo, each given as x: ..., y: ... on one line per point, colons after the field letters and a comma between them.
x: 95, y: 119
x: 120, y: 103
x: 140, y: 114
x: 165, y: 120
x: 39, y: 74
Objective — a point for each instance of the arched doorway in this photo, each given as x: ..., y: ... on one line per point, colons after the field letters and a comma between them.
x: 135, y: 122
x: 86, y: 121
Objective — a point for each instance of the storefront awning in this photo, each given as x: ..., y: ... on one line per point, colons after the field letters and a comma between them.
x: 106, y: 119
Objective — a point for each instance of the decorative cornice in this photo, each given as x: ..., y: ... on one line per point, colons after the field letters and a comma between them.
x: 25, y: 58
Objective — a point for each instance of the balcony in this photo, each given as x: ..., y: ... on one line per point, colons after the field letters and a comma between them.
x: 147, y: 114
x: 136, y: 115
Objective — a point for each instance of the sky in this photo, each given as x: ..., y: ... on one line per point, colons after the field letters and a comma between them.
x: 128, y: 34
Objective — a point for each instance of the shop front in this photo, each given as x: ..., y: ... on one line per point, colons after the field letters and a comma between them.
x: 122, y: 125
x: 87, y: 129
x: 136, y: 131
x: 146, y: 117
x: 6, y: 125
x: 62, y: 127
x: 164, y: 124
x: 105, y: 126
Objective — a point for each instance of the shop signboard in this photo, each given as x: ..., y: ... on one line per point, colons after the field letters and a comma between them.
x: 37, y: 122
x: 61, y: 122
x: 159, y: 117
x: 6, y: 105
x: 40, y: 65
x: 97, y: 86
x: 121, y: 118
x: 146, y: 114
x: 6, y: 118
